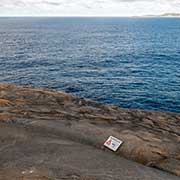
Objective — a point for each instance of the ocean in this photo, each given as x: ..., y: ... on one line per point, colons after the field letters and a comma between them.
x: 129, y: 62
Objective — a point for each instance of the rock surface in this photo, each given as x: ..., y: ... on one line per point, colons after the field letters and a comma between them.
x: 48, y: 134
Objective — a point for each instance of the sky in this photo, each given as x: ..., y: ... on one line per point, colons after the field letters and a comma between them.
x: 87, y: 7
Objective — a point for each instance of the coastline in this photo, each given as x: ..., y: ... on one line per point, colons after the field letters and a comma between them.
x: 150, y: 137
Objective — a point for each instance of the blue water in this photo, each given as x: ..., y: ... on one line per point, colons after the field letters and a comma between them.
x: 130, y: 62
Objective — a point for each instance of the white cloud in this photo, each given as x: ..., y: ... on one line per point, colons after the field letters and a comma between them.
x: 88, y: 7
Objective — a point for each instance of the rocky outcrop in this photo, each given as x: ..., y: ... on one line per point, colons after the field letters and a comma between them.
x: 151, y: 138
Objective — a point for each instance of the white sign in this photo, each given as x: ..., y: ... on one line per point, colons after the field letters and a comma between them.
x: 113, y: 143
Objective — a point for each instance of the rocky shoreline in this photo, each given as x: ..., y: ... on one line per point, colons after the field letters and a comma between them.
x: 39, y: 117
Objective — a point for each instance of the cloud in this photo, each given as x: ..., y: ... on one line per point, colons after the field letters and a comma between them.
x: 52, y: 3
x: 88, y: 7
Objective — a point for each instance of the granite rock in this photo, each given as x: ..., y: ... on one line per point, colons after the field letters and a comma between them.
x: 151, y: 138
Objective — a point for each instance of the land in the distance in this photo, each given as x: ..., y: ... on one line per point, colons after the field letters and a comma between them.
x: 50, y: 135
x: 165, y: 15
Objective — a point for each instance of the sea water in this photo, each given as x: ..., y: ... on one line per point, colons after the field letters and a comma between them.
x: 129, y: 62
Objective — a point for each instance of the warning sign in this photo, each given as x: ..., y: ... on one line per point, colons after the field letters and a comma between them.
x: 113, y: 143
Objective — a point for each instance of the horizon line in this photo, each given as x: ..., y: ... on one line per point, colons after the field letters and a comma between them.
x: 91, y: 16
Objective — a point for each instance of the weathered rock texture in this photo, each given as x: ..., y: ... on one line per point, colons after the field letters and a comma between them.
x: 151, y: 138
